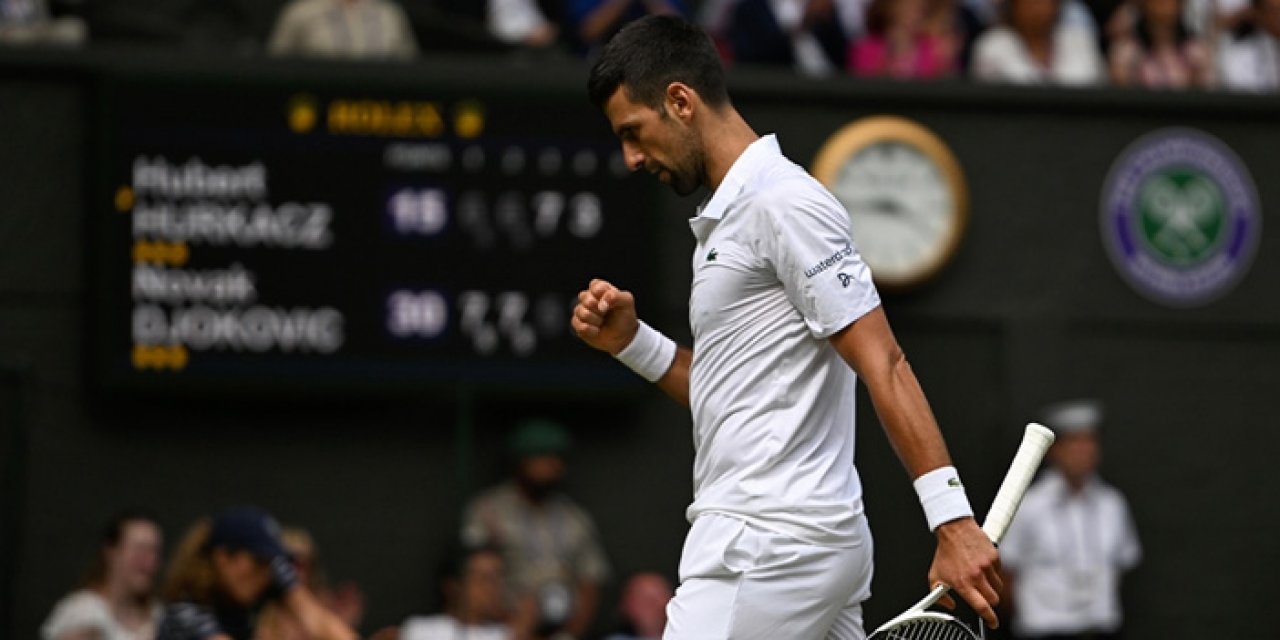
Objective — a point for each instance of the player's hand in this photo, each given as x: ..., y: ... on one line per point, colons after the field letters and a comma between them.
x: 605, y: 317
x: 967, y: 562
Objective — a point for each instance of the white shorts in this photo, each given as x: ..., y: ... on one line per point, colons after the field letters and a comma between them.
x: 740, y: 581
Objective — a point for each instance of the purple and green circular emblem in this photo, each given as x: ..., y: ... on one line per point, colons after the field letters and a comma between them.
x: 1180, y: 217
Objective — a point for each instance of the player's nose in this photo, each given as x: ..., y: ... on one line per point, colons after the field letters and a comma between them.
x: 633, y: 156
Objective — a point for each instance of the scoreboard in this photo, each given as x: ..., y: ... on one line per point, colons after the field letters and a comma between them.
x: 290, y: 235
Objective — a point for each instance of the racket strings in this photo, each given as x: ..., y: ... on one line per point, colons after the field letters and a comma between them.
x: 928, y: 630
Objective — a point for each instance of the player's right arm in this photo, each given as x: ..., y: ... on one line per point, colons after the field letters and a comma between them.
x: 605, y: 318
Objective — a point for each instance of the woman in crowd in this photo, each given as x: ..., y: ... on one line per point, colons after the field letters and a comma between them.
x: 222, y: 574
x: 1159, y: 52
x: 898, y: 45
x: 1032, y: 46
x: 1251, y: 61
x: 117, y: 600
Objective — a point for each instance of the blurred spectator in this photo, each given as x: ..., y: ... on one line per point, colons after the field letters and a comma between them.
x: 1071, y: 540
x: 343, y: 28
x: 1252, y: 61
x: 897, y: 44
x: 1212, y: 20
x: 1160, y: 52
x: 644, y: 607
x: 1226, y: 17
x: 475, y: 601
x: 24, y: 22
x: 807, y: 35
x: 222, y: 574
x: 346, y: 601
x: 117, y: 598
x: 595, y: 21
x: 1032, y: 46
x: 520, y: 22
x: 956, y: 25
x: 550, y: 545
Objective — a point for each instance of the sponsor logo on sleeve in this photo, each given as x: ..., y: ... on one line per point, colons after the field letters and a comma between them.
x: 830, y: 261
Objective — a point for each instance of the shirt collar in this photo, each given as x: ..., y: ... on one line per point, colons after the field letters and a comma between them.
x: 1063, y: 490
x: 754, y: 158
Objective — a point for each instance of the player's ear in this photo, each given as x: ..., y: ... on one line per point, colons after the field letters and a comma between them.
x: 680, y: 100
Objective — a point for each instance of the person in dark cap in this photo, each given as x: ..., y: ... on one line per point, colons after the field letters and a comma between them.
x: 222, y: 573
x: 554, y: 560
x: 1072, y: 540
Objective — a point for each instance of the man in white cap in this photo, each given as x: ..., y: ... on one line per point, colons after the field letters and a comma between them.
x: 1072, y: 540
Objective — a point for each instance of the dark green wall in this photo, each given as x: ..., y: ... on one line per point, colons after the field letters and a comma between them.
x: 1031, y: 310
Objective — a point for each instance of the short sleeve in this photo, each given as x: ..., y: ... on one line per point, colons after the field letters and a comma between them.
x: 995, y: 59
x: 80, y: 611
x: 1129, y: 551
x: 1078, y: 59
x: 807, y: 238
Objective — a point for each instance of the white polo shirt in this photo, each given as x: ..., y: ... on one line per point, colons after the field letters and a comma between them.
x: 1068, y: 552
x: 775, y: 273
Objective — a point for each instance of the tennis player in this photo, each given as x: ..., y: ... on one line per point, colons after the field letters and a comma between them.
x: 783, y: 313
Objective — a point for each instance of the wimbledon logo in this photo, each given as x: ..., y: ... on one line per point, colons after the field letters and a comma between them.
x: 1180, y: 217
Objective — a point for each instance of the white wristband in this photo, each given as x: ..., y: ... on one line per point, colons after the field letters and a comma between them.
x: 650, y: 353
x: 942, y: 496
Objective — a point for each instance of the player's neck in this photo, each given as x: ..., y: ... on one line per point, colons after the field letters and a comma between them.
x: 725, y: 138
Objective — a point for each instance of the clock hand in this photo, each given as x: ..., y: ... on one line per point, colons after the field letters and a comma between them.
x: 889, y: 207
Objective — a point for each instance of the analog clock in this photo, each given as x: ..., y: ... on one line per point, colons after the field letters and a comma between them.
x: 905, y: 194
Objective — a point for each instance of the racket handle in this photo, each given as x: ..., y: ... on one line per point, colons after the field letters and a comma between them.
x: 1035, y: 442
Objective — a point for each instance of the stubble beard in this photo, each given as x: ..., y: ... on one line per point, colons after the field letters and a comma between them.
x: 688, y: 177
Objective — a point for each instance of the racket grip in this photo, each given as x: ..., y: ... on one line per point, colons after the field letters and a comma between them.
x: 1035, y: 442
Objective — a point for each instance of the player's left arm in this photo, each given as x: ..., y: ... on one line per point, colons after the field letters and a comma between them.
x: 965, y: 559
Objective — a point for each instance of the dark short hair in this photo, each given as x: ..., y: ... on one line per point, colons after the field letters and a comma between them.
x: 877, y: 19
x: 651, y: 53
x: 1006, y: 10
x: 458, y: 559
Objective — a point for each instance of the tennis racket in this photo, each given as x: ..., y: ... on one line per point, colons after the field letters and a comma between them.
x: 918, y: 624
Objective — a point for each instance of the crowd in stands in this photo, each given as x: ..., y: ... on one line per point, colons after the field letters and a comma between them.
x: 1156, y: 44
x: 528, y: 564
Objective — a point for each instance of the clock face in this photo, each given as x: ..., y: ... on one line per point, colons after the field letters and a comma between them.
x: 904, y: 194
